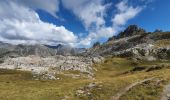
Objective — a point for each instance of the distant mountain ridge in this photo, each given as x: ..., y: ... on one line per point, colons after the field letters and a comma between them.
x: 37, y: 49
x: 67, y: 50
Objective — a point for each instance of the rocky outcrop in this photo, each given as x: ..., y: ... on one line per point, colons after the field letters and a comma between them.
x: 145, y: 52
x: 134, y: 42
x: 58, y: 63
x: 131, y: 31
x: 47, y: 66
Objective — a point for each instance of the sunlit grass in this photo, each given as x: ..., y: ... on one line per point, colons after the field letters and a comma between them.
x: 113, y: 75
x: 162, y: 43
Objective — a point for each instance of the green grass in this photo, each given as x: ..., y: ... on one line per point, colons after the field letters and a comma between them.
x: 111, y: 76
x: 150, y: 90
x: 162, y: 43
x: 17, y: 85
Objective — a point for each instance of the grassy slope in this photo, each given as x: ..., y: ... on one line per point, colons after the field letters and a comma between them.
x: 162, y: 43
x: 113, y: 75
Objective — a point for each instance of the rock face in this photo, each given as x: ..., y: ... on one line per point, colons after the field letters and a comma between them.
x: 47, y: 67
x: 67, y: 50
x: 8, y: 50
x: 145, y: 52
x: 134, y: 42
x: 131, y: 31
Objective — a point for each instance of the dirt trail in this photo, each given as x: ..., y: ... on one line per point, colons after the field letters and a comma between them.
x: 123, y: 91
x: 166, y: 93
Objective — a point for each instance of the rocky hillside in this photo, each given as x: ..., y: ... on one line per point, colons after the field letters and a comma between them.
x: 46, y: 59
x: 135, y: 42
x: 9, y: 50
x: 52, y: 63
x: 103, y: 72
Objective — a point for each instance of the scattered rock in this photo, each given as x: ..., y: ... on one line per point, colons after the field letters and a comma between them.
x: 86, y: 90
x: 166, y: 93
x: 45, y: 66
x: 92, y: 85
x: 97, y: 59
x: 78, y: 92
x: 44, y: 75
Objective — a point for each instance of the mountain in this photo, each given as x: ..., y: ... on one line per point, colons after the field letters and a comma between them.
x: 133, y: 65
x: 37, y: 49
x: 25, y: 50
x: 131, y: 31
x: 135, y: 42
x: 67, y: 50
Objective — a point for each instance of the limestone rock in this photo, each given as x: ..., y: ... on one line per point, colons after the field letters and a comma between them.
x: 131, y: 31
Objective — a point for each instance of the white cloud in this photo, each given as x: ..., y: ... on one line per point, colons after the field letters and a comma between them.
x: 91, y: 12
x: 125, y: 13
x: 51, y: 6
x: 103, y: 32
x: 20, y: 24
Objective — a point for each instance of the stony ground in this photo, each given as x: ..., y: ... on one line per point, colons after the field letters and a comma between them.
x: 166, y: 93
x: 51, y: 64
x: 133, y: 80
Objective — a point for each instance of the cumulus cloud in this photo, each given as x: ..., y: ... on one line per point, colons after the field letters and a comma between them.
x: 51, y: 6
x: 91, y: 12
x: 20, y: 24
x: 103, y: 32
x: 125, y: 13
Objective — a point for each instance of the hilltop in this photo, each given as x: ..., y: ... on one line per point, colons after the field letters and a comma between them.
x: 135, y: 42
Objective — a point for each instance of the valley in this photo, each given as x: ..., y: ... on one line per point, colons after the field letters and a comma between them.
x: 84, y: 50
x: 134, y: 65
x: 112, y: 77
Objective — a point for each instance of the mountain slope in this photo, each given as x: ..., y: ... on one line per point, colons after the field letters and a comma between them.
x: 135, y: 42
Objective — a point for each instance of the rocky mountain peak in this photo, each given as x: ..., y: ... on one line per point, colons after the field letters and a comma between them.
x: 131, y: 30
x: 112, y: 38
x: 96, y: 44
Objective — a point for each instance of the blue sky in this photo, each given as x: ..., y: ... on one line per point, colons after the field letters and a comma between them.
x: 78, y: 23
x: 154, y: 16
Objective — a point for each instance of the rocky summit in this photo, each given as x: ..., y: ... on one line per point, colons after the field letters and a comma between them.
x: 136, y: 43
x: 131, y: 31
